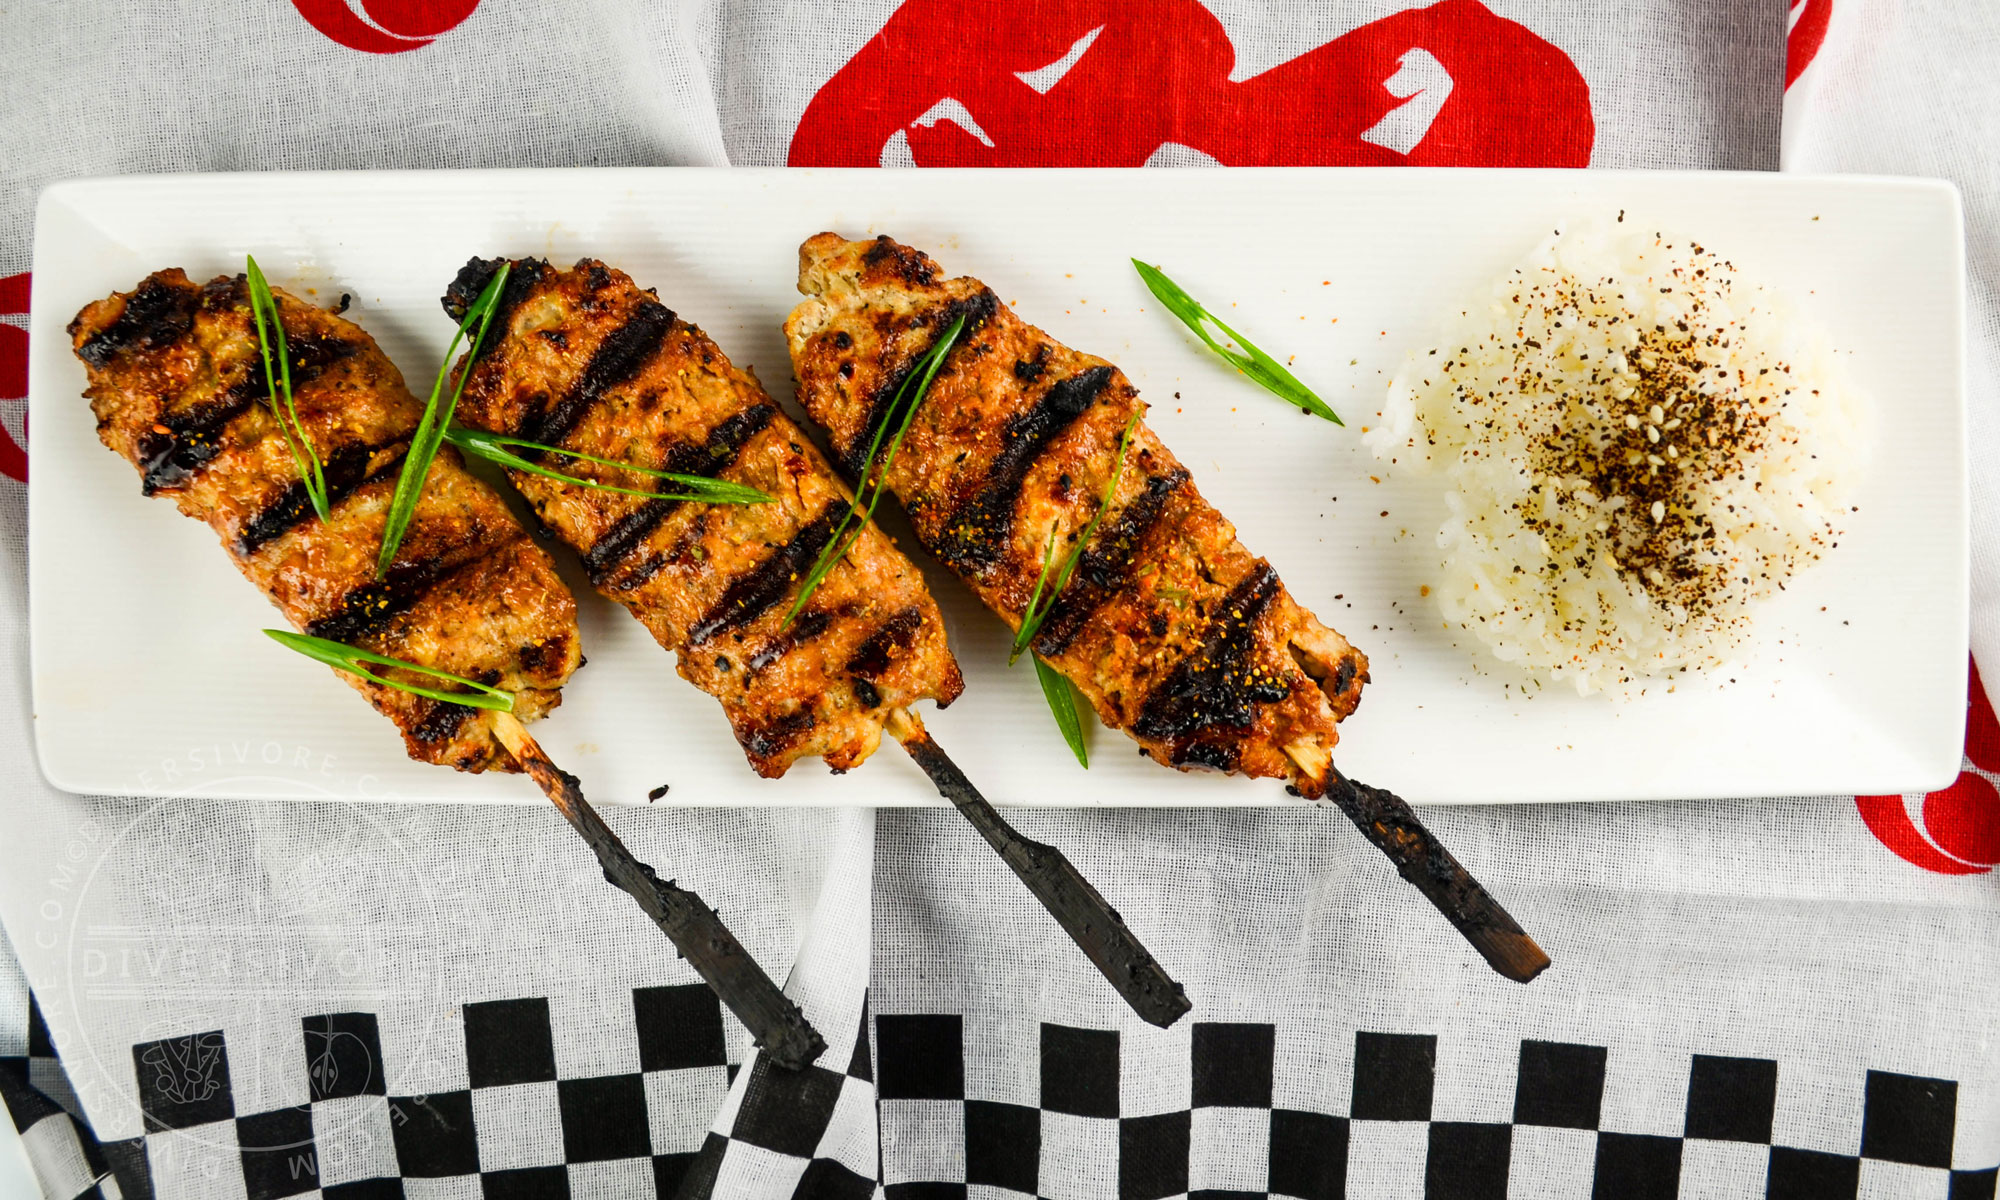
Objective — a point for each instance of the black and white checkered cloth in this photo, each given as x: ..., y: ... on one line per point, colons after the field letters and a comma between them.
x: 516, y: 1128
x: 1076, y: 1136
x: 1079, y: 1131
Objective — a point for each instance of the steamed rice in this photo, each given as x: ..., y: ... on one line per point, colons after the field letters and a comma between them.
x: 1638, y: 444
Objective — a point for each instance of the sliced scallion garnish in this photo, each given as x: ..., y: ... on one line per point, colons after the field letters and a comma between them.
x: 1044, y: 600
x: 1049, y: 585
x: 351, y: 659
x: 1062, y: 702
x: 874, y: 476
x: 494, y: 448
x: 430, y: 432
x: 278, y: 379
x: 1266, y: 371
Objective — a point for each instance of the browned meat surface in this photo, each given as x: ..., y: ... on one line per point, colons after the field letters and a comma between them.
x: 177, y: 384
x: 1174, y: 631
x: 586, y: 360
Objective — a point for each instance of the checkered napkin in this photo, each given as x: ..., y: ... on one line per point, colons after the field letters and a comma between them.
x: 1787, y: 998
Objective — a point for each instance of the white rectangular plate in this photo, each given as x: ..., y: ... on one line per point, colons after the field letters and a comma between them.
x: 150, y: 675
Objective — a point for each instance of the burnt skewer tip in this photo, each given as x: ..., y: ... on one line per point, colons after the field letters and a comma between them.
x: 1386, y: 820
x: 1079, y: 908
x: 778, y: 1026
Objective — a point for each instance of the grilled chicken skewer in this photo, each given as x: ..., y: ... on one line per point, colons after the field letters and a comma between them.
x: 178, y: 388
x: 587, y: 361
x: 1171, y: 629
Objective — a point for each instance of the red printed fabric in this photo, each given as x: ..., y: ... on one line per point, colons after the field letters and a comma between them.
x: 1108, y: 83
x: 14, y: 377
x: 384, y: 26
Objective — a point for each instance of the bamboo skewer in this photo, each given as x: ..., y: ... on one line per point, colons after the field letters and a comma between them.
x: 1385, y: 819
x: 696, y: 930
x: 1079, y: 908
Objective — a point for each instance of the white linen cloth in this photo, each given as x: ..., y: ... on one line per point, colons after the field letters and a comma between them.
x: 1695, y: 943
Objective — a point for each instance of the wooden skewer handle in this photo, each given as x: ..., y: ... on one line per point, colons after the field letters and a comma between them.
x: 1386, y: 820
x: 696, y: 930
x: 1079, y: 908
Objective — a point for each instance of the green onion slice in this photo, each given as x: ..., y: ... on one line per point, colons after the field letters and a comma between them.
x: 278, y: 378
x: 350, y: 658
x: 1268, y: 372
x: 874, y: 476
x: 1062, y: 702
x: 1038, y: 610
x: 497, y: 448
x: 430, y: 432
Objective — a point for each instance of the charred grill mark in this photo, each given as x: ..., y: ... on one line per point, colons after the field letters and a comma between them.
x: 715, y: 455
x: 911, y: 266
x: 750, y: 594
x: 369, y: 606
x: 346, y: 472
x: 179, y: 443
x: 441, y: 723
x: 977, y: 310
x: 182, y: 442
x: 1343, y: 675
x: 873, y: 658
x: 811, y: 623
x: 975, y: 535
x: 1222, y: 756
x: 155, y: 315
x: 776, y: 736
x: 1220, y: 684
x: 1028, y: 370
x: 1106, y: 568
x: 472, y: 279
x: 686, y: 548
x: 545, y: 657
x: 618, y: 357
x: 225, y: 292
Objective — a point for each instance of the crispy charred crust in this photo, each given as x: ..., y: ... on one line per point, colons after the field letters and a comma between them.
x: 178, y: 387
x: 978, y: 532
x: 346, y: 470
x: 181, y: 442
x: 713, y: 583
x: 1210, y: 698
x: 810, y: 624
x: 976, y: 309
x: 619, y: 356
x: 1105, y: 570
x: 472, y: 279
x: 766, y: 744
x: 909, y: 265
x: 724, y: 444
x: 751, y: 594
x: 153, y: 316
x: 895, y: 637
x: 372, y: 605
x: 441, y: 723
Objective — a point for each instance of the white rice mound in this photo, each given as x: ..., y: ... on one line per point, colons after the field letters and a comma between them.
x: 1638, y: 444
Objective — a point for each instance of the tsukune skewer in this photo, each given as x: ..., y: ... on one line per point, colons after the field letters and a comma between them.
x: 808, y: 653
x: 179, y: 386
